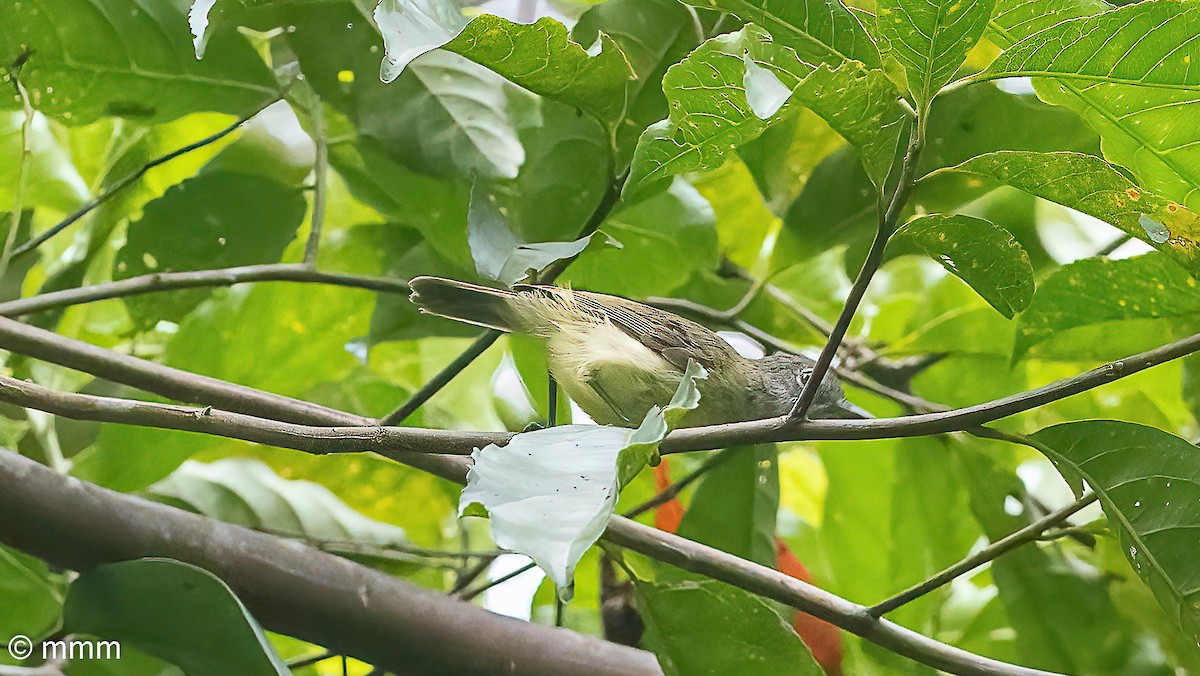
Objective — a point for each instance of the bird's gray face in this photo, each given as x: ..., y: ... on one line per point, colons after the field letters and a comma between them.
x: 785, y: 376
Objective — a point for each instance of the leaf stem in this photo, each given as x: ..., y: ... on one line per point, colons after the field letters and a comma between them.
x: 103, y: 197
x: 887, y: 225
x: 1006, y: 544
x: 320, y: 185
x: 19, y: 194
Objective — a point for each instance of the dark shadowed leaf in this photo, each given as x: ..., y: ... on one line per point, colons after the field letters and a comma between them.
x: 930, y: 39
x: 1089, y: 184
x: 128, y: 59
x: 1148, y: 482
x: 214, y: 220
x: 981, y: 254
x: 707, y: 627
x: 171, y: 610
x: 32, y: 597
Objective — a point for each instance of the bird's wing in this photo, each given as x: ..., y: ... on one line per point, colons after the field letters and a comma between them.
x: 674, y: 338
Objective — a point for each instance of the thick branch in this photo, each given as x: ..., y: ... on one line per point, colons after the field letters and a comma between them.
x: 168, y: 281
x: 292, y: 588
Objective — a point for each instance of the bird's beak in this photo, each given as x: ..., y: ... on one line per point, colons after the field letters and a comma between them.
x: 845, y: 409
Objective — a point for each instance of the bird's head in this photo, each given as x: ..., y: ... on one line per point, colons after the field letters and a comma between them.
x: 785, y: 376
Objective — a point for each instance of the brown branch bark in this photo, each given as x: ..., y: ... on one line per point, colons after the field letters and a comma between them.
x: 291, y: 588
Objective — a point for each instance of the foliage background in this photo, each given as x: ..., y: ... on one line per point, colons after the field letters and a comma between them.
x: 782, y: 219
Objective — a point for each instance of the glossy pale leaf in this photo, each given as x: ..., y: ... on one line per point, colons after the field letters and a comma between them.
x: 125, y: 58
x: 248, y: 493
x: 1149, y: 43
x: 174, y: 611
x: 820, y: 31
x: 213, y: 220
x: 707, y: 627
x: 1095, y: 290
x: 550, y: 493
x: 1148, y: 482
x: 1091, y: 185
x: 930, y: 38
x: 411, y: 28
x: 499, y: 254
x: 981, y: 254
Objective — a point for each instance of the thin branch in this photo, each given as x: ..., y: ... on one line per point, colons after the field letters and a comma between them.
x: 320, y: 185
x: 393, y: 442
x: 887, y: 224
x: 130, y: 179
x: 671, y: 492
x: 309, y: 660
x: 291, y: 588
x: 758, y: 579
x: 468, y: 576
x: 19, y: 193
x: 168, y: 281
x: 471, y: 595
x: 1112, y: 246
x: 1006, y: 544
x: 443, y: 378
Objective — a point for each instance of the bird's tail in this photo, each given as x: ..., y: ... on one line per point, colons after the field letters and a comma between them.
x: 470, y: 303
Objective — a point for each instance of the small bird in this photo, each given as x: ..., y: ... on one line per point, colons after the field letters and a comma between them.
x: 617, y: 358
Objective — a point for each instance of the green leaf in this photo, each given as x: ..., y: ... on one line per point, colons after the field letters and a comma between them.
x: 930, y: 39
x: 499, y: 254
x: 707, y: 627
x: 979, y: 253
x: 737, y: 503
x: 32, y: 598
x: 214, y: 220
x: 1149, y: 44
x: 710, y: 114
x: 50, y: 179
x: 88, y: 60
x: 650, y: 232
x: 1144, y: 128
x: 1148, y: 482
x: 1095, y: 290
x: 172, y: 610
x: 820, y: 31
x: 1091, y: 185
x: 543, y: 59
x: 248, y: 493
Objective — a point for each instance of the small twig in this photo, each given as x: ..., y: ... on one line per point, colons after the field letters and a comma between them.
x: 1027, y: 534
x: 129, y: 180
x: 887, y: 224
x: 671, y: 492
x: 1113, y: 246
x: 309, y: 660
x: 320, y: 185
x: 443, y: 378
x: 167, y: 281
x: 466, y: 577
x: 19, y: 194
x: 471, y: 595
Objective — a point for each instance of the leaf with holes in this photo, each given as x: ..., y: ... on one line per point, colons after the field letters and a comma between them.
x: 1148, y: 482
x: 820, y: 31
x: 88, y: 60
x: 1089, y: 184
x: 1095, y: 290
x: 981, y: 254
x: 930, y: 39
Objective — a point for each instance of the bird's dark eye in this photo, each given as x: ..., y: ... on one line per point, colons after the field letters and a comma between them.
x: 805, y: 374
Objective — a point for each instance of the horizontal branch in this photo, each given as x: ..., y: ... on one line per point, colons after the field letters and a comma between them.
x: 169, y: 281
x: 397, y: 443
x: 292, y: 588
